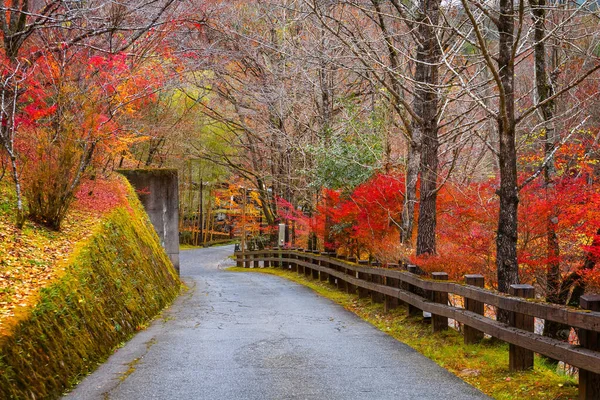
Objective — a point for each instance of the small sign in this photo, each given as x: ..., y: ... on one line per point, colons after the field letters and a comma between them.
x: 281, y: 235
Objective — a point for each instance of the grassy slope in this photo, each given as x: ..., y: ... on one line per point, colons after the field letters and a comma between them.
x: 484, y: 366
x: 115, y: 280
x: 32, y: 257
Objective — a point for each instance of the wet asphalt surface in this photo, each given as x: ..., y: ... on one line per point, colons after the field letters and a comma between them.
x: 254, y: 336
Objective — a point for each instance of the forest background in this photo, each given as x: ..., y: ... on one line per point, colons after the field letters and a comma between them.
x: 462, y: 136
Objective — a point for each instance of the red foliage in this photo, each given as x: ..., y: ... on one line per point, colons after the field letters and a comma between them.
x: 101, y: 195
x: 366, y: 219
x: 466, y: 231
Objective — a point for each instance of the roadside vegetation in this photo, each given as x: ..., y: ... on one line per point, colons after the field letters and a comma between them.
x: 65, y: 309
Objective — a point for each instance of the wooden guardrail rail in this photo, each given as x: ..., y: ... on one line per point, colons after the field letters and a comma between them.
x: 394, y: 286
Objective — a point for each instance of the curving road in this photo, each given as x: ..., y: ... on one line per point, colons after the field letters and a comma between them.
x: 252, y: 336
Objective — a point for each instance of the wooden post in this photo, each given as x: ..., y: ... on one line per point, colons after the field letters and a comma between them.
x: 324, y: 276
x: 315, y: 272
x: 390, y: 301
x: 412, y: 310
x: 300, y: 268
x: 519, y: 358
x: 292, y: 265
x: 332, y: 279
x: 239, y: 260
x: 376, y: 297
x: 589, y: 382
x: 362, y: 292
x: 341, y: 283
x: 350, y: 288
x: 473, y: 335
x: 288, y: 264
x: 438, y: 322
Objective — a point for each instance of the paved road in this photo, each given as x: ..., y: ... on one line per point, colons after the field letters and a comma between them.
x: 252, y: 336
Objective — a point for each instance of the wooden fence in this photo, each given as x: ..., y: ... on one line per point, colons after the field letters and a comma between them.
x: 401, y: 284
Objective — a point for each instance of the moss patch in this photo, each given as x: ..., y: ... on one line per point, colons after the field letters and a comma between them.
x: 115, y: 282
x: 484, y: 366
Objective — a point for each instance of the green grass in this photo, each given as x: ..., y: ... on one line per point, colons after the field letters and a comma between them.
x: 484, y: 365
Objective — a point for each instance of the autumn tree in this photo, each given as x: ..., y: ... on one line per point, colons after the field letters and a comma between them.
x: 498, y: 56
x: 35, y: 33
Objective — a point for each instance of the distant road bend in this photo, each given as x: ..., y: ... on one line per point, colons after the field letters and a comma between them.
x: 253, y: 336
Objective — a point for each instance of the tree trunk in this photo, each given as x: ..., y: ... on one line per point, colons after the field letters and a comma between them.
x: 428, y: 54
x: 426, y: 243
x: 410, y: 195
x: 544, y: 91
x: 506, y: 239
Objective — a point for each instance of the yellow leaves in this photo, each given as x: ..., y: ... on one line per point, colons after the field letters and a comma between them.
x: 30, y: 259
x: 255, y: 197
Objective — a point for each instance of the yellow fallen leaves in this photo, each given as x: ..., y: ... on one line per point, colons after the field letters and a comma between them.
x: 32, y: 257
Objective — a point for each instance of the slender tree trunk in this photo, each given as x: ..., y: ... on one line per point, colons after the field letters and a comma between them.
x: 266, y: 202
x: 506, y: 239
x: 426, y: 242
x: 544, y: 91
x: 410, y: 195
x: 201, y: 212
x: 413, y: 163
x: 20, y: 217
x: 428, y: 54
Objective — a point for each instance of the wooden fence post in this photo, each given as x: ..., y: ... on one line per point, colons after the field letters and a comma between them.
x: 589, y: 382
x: 332, y: 279
x: 256, y: 261
x: 341, y: 283
x: 315, y: 272
x: 300, y: 268
x: 519, y: 358
x: 390, y: 301
x: 438, y: 322
x: 239, y: 260
x: 324, y: 276
x: 308, y: 270
x: 293, y: 265
x: 350, y: 288
x: 362, y: 292
x: 471, y: 334
x: 412, y: 310
x: 376, y: 297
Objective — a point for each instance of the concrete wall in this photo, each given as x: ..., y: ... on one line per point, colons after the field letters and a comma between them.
x: 159, y: 193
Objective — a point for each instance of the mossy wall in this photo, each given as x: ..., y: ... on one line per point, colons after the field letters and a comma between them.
x: 115, y: 282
